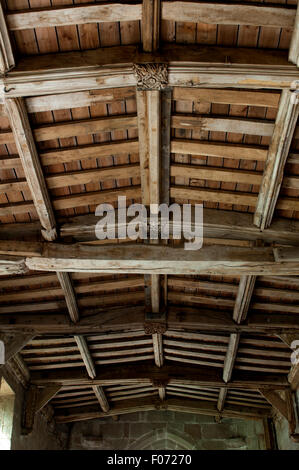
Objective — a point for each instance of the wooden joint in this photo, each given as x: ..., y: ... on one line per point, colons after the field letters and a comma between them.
x: 159, y: 383
x: 151, y: 76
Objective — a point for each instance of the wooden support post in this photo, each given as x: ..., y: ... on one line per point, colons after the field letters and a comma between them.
x: 158, y: 349
x: 285, y: 123
x: 151, y: 25
x: 69, y: 294
x: 25, y: 143
x: 7, y: 61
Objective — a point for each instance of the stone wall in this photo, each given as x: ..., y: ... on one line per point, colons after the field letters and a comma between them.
x: 167, y: 430
x: 45, y: 435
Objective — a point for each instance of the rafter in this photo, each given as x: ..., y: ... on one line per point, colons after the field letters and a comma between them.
x: 7, y: 61
x: 32, y: 168
x: 285, y: 123
x: 294, y: 46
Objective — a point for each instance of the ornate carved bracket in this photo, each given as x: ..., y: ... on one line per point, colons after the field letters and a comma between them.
x: 151, y: 76
x: 152, y: 327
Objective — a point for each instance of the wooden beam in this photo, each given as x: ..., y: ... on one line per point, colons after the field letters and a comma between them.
x: 150, y: 25
x: 12, y: 265
x: 7, y: 61
x: 158, y: 349
x: 276, y: 401
x: 224, y: 13
x: 37, y: 104
x: 72, y: 15
x: 132, y: 319
x: 243, y: 299
x: 230, y: 356
x: 84, y: 126
x: 294, y: 46
x: 152, y: 259
x: 215, y: 174
x: 32, y: 168
x: 172, y: 404
x: 285, y: 123
x: 112, y: 68
x: 86, y: 356
x: 69, y: 294
x: 172, y: 374
x: 100, y: 394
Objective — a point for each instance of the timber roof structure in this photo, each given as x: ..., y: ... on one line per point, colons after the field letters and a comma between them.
x: 103, y: 99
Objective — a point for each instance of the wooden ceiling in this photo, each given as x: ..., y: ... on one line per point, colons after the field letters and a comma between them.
x: 104, y: 99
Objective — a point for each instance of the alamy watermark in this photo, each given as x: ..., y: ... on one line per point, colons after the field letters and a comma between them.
x: 2, y: 352
x: 159, y: 222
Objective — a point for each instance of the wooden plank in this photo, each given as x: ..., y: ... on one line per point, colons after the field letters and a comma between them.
x: 32, y: 168
x: 7, y: 61
x: 215, y: 149
x: 86, y: 356
x: 37, y: 104
x: 243, y: 299
x: 238, y: 97
x: 69, y: 294
x: 228, y: 14
x: 215, y: 174
x: 294, y: 46
x: 223, y: 124
x: 150, y: 25
x: 100, y: 394
x: 285, y: 123
x: 276, y: 401
x: 72, y: 15
x: 83, y: 127
x: 12, y: 265
x: 158, y: 349
x: 86, y: 152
